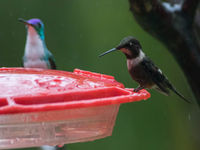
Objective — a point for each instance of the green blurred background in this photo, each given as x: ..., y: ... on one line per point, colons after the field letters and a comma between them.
x: 77, y: 31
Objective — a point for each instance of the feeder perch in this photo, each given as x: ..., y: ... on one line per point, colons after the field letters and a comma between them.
x: 50, y: 107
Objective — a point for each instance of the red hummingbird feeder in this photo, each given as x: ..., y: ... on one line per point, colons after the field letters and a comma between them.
x: 51, y: 107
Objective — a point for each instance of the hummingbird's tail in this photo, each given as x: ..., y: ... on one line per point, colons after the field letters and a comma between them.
x: 179, y: 94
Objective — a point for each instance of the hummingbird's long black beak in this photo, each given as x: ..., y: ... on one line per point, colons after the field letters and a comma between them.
x: 111, y: 50
x: 24, y: 21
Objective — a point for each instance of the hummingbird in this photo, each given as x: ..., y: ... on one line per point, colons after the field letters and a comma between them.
x: 36, y: 54
x: 142, y: 69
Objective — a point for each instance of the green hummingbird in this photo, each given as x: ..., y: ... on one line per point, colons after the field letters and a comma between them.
x: 36, y: 54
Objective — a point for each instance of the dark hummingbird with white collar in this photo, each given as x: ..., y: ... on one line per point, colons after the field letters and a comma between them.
x: 36, y: 54
x: 142, y: 69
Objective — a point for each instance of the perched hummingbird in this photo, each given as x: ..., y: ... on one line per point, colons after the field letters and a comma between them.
x: 142, y: 69
x: 36, y: 53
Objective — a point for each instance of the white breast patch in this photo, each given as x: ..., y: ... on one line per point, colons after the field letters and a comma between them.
x: 34, y: 50
x: 135, y: 61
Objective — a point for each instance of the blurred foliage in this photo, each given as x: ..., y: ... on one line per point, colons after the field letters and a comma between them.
x: 77, y: 31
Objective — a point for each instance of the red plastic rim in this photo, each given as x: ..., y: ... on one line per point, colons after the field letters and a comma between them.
x: 30, y: 90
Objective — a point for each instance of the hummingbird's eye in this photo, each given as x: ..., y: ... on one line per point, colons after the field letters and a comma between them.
x: 39, y: 25
x: 131, y: 44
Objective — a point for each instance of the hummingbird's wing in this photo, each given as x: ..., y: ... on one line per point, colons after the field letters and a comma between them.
x: 159, y: 78
x: 156, y: 75
x: 51, y: 60
x: 52, y: 63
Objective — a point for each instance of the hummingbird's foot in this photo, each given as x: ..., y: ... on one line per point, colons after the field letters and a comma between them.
x: 138, y: 89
